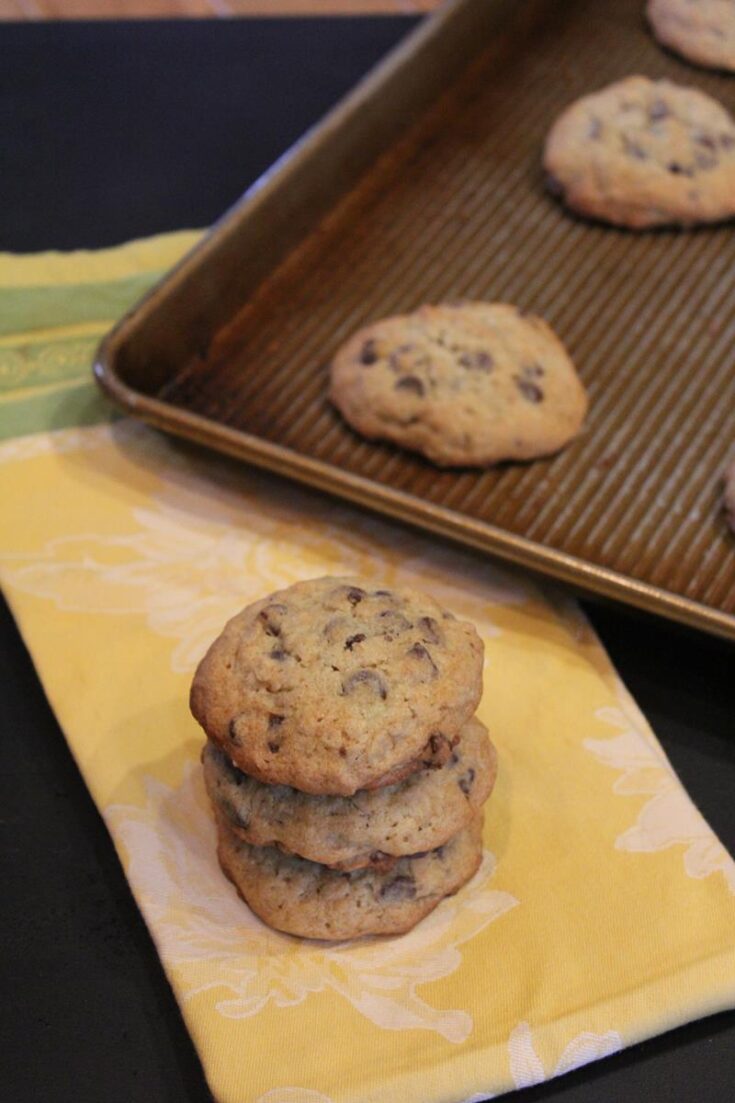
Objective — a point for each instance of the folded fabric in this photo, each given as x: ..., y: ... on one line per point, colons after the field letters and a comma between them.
x: 604, y: 910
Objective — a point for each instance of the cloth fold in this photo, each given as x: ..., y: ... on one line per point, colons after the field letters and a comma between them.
x: 604, y: 910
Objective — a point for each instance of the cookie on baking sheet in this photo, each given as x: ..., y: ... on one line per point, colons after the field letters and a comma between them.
x: 701, y: 30
x: 643, y: 153
x: 310, y: 900
x: 728, y: 497
x: 339, y: 684
x: 465, y: 384
x: 372, y: 828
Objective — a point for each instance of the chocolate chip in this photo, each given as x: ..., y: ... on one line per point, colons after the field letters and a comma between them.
x: 352, y: 640
x: 477, y: 361
x: 400, y: 888
x: 233, y: 815
x: 454, y: 759
x: 429, y: 629
x: 439, y: 750
x: 232, y: 734
x: 269, y: 618
x: 279, y: 654
x: 553, y: 185
x: 418, y: 651
x: 705, y: 140
x: 530, y: 391
x: 633, y: 149
x: 275, y: 721
x: 383, y: 593
x: 410, y: 383
x: 274, y: 748
x: 353, y: 594
x: 237, y: 777
x: 368, y: 678
x: 679, y: 170
x: 369, y: 353
x: 465, y: 782
x: 658, y: 110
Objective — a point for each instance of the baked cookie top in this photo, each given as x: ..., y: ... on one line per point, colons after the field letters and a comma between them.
x: 309, y: 900
x: 337, y: 684
x: 373, y: 827
x: 701, y: 30
x: 644, y: 153
x: 465, y: 384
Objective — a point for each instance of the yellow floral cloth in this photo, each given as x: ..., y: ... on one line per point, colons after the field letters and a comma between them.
x: 604, y: 910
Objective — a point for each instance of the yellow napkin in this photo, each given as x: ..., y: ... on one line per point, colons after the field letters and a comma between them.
x: 604, y: 911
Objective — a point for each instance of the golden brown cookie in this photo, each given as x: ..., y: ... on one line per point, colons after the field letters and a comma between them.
x: 643, y: 153
x: 465, y: 384
x: 373, y: 827
x: 336, y: 684
x: 312, y: 901
x: 701, y: 30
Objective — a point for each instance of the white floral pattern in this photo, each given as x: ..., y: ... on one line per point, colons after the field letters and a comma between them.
x: 211, y: 542
x: 668, y: 818
x: 213, y: 941
x: 527, y: 1068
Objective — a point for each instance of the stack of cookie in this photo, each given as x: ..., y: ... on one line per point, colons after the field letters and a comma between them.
x: 345, y: 768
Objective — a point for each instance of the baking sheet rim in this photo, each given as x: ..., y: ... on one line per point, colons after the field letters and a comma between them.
x: 405, y: 507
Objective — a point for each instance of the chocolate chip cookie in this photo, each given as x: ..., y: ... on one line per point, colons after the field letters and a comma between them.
x: 464, y: 384
x: 372, y: 828
x: 336, y: 684
x: 644, y: 153
x: 312, y: 901
x: 701, y: 30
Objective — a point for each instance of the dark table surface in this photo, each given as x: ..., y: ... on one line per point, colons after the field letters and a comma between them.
x: 114, y: 131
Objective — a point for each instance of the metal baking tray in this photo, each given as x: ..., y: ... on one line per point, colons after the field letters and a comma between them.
x: 425, y: 184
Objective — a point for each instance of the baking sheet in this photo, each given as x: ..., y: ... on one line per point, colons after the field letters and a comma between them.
x: 455, y: 208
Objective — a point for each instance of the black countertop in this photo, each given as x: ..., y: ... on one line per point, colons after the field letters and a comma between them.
x: 118, y: 130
